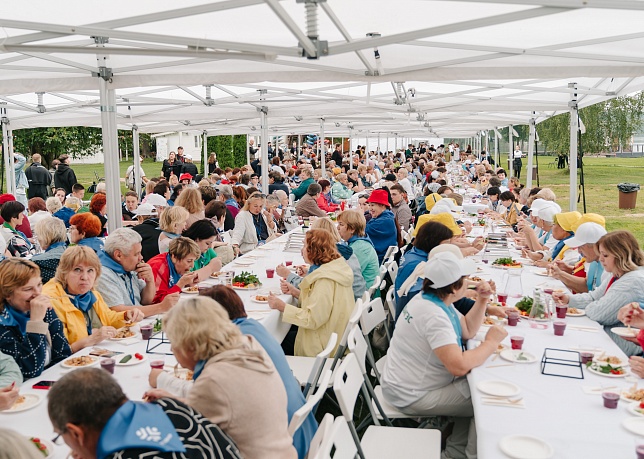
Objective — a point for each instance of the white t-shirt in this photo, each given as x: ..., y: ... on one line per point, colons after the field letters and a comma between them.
x: 412, y: 369
x: 517, y: 154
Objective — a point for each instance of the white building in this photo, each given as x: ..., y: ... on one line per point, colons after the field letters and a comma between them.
x: 192, y: 143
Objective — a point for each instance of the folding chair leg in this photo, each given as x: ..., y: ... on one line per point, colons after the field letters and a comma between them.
x: 338, y: 354
x: 372, y: 360
x: 356, y: 439
x: 378, y: 405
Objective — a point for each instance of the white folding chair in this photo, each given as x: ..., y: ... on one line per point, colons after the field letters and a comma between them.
x: 322, y: 435
x: 226, y: 237
x: 380, y: 441
x: 373, y: 314
x: 307, y: 370
x: 375, y: 286
x: 300, y: 415
x: 353, y: 320
x: 392, y: 269
x: 337, y: 442
x: 391, y: 251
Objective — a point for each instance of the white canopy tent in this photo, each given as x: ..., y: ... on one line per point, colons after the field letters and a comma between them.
x: 236, y: 66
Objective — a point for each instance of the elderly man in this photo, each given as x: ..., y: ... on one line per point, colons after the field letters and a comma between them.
x: 400, y: 208
x: 403, y: 180
x: 112, y: 428
x: 308, y: 205
x: 38, y: 177
x: 126, y: 281
x: 306, y: 177
x: 341, y: 189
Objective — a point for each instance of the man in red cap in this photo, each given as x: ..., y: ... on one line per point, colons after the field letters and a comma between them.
x: 24, y: 226
x: 382, y: 229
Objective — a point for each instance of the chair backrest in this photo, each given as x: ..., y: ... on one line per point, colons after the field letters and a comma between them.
x: 318, y: 365
x: 354, y: 319
x: 391, y: 251
x: 376, y: 285
x: 392, y: 268
x: 373, y: 314
x: 322, y: 436
x: 358, y: 347
x: 339, y: 444
x: 300, y: 415
x: 390, y: 301
x: 226, y: 237
x: 347, y: 384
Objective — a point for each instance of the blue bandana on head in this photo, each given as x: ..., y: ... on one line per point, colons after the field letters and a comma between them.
x: 137, y: 425
x: 14, y: 318
x: 174, y: 275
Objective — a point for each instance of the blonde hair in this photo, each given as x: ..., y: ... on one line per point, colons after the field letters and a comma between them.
x: 190, y: 199
x: 16, y: 446
x: 202, y: 327
x: 14, y: 273
x: 625, y: 248
x: 173, y: 215
x: 325, y: 223
x: 50, y: 230
x: 73, y: 203
x: 204, y: 182
x: 547, y: 194
x: 256, y: 195
x: 74, y: 256
x: 354, y: 220
x: 53, y: 204
x: 183, y: 247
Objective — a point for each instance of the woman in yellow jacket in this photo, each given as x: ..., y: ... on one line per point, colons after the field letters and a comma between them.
x: 325, y: 295
x: 513, y: 211
x: 86, y: 318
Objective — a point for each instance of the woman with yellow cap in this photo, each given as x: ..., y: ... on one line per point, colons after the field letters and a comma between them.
x: 561, y: 231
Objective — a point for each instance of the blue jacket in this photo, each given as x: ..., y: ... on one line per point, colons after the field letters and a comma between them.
x: 408, y: 263
x: 383, y: 233
x: 30, y: 350
x: 64, y: 214
x: 304, y: 435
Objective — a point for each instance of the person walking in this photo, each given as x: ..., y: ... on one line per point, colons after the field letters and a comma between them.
x: 517, y: 164
x: 64, y: 177
x: 38, y: 178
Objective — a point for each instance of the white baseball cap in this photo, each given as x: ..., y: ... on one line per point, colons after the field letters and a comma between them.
x: 587, y: 233
x: 548, y: 213
x: 539, y: 204
x: 187, y: 157
x: 145, y: 209
x: 445, y: 268
x: 445, y: 205
x: 156, y: 200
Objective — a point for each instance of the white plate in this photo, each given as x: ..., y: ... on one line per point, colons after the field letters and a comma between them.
x: 94, y: 363
x: 132, y: 361
x: 634, y: 409
x: 180, y: 373
x: 505, y: 267
x: 622, y: 362
x: 498, y: 388
x: 541, y: 273
x: 245, y: 262
x: 49, y: 445
x: 624, y: 395
x: 135, y: 336
x: 247, y: 288
x: 581, y: 313
x: 513, y: 356
x: 254, y: 298
x: 608, y: 375
x: 634, y: 425
x: 31, y: 400
x: 526, y: 447
x: 625, y: 331
x: 190, y: 292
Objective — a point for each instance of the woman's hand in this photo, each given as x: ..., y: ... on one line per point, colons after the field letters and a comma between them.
x: 101, y: 334
x: 188, y: 279
x: 478, y: 243
x: 560, y: 297
x: 236, y: 250
x: 282, y: 270
x: 153, y: 377
x: 483, y: 290
x: 302, y: 270
x: 214, y: 265
x: 637, y: 365
x: 631, y: 314
x: 496, y: 334
x: 156, y: 394
x: 289, y: 289
x: 134, y: 315
x: 275, y: 303
x: 38, y: 308
x: 8, y: 396
x: 562, y: 266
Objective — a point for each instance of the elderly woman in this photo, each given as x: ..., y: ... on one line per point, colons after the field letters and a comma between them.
x: 52, y: 237
x: 426, y: 366
x: 84, y: 230
x: 53, y: 204
x: 253, y: 225
x: 86, y: 318
x: 18, y: 245
x: 325, y: 296
x: 382, y: 229
x: 30, y: 330
x: 172, y: 223
x: 622, y: 258
x: 172, y: 270
x: 561, y: 231
x: 204, y: 234
x: 98, y: 207
x: 190, y: 199
x: 324, y: 200
x: 236, y: 385
x: 351, y: 227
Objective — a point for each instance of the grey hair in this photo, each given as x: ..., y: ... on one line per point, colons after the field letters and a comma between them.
x: 271, y: 198
x: 281, y: 194
x: 53, y: 204
x: 314, y: 189
x: 121, y: 239
x: 226, y: 191
x: 50, y: 230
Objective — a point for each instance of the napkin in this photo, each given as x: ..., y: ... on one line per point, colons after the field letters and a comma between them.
x: 595, y: 390
x: 502, y: 402
x: 585, y: 329
x: 128, y: 341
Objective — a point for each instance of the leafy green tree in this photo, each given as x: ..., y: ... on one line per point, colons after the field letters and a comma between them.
x: 239, y: 150
x: 76, y: 141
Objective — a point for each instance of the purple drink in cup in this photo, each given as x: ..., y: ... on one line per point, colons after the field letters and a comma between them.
x: 517, y: 342
x: 610, y: 399
x: 146, y: 331
x: 559, y: 328
x: 513, y: 319
x: 158, y: 364
x: 562, y: 310
x: 108, y: 365
x: 270, y: 272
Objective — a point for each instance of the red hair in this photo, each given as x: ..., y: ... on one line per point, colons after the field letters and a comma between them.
x: 87, y: 224
x: 97, y: 203
x: 320, y: 246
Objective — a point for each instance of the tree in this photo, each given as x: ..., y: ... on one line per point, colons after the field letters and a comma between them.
x: 239, y: 150
x: 50, y: 143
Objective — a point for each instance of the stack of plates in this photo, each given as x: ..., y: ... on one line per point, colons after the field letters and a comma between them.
x: 295, y: 242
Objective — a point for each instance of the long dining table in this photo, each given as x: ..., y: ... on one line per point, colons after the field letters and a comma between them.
x: 133, y: 378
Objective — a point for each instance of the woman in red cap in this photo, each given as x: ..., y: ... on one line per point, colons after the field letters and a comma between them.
x: 382, y: 228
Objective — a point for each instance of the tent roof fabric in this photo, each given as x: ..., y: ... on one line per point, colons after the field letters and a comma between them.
x: 446, y: 68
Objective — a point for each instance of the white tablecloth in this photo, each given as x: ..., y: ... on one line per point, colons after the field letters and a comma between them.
x: 134, y: 379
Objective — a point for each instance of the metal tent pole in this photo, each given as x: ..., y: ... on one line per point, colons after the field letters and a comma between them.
x: 111, y: 154
x: 247, y: 150
x: 264, y: 149
x: 11, y: 172
x: 322, y: 152
x: 528, y: 180
x: 572, y: 162
x: 5, y: 147
x: 350, y: 148
x: 204, y: 142
x: 511, y: 147
x: 136, y: 155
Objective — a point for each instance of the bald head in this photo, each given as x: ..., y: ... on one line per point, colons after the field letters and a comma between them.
x: 36, y: 158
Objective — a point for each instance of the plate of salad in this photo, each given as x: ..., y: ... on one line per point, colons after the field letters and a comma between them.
x: 606, y: 369
x: 506, y: 263
x: 246, y: 281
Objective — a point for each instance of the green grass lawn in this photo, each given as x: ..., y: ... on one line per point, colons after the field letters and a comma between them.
x: 602, y: 176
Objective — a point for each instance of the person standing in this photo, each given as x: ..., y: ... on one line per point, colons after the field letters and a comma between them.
x: 171, y: 166
x: 21, y: 179
x: 38, y: 178
x: 188, y: 167
x: 517, y: 164
x: 64, y: 177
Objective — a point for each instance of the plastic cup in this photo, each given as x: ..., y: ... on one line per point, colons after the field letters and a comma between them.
x: 610, y: 399
x: 559, y: 328
x: 548, y: 291
x: 513, y: 319
x: 586, y: 357
x: 503, y: 297
x: 288, y: 262
x: 562, y: 309
x: 270, y: 272
x: 159, y: 364
x: 517, y: 342
x: 146, y: 331
x: 485, y: 260
x: 639, y: 450
x: 108, y: 365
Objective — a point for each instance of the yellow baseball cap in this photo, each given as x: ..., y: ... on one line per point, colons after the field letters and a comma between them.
x: 589, y: 218
x: 567, y: 219
x: 444, y: 218
x: 431, y: 200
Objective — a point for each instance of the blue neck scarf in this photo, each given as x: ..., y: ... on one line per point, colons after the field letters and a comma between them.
x: 594, y: 275
x: 232, y: 202
x: 451, y: 314
x: 174, y: 275
x: 198, y: 369
x: 560, y: 245
x: 546, y: 237
x: 94, y: 243
x: 110, y: 263
x: 56, y: 245
x: 137, y: 425
x: 355, y: 238
x: 14, y: 318
x: 83, y: 302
